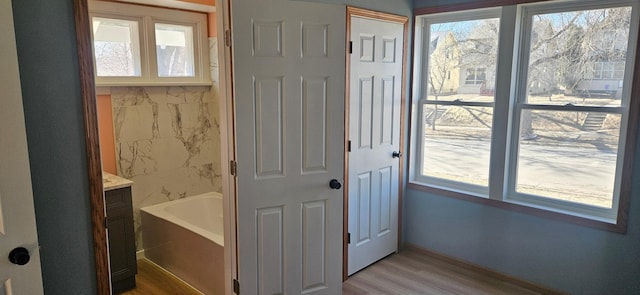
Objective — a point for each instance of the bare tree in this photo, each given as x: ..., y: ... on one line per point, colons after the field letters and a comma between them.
x: 444, y: 59
x: 564, y: 46
x: 565, y: 49
x: 565, y: 52
x: 114, y: 58
x: 480, y: 47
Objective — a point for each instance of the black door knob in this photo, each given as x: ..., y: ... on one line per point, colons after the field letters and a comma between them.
x: 335, y: 184
x: 396, y: 155
x: 19, y: 256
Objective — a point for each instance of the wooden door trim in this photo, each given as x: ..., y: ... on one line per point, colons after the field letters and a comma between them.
x: 376, y: 15
x: 383, y: 16
x: 94, y: 164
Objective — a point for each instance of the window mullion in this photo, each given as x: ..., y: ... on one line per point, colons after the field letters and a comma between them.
x: 522, y: 34
x: 150, y: 42
x: 499, y: 132
x: 419, y: 151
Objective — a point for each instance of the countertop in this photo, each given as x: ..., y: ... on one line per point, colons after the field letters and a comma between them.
x: 111, y: 182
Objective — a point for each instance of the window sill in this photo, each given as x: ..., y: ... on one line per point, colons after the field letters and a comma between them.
x: 154, y: 83
x: 620, y: 227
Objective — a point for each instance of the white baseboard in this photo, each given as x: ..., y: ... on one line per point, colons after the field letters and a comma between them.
x: 140, y: 255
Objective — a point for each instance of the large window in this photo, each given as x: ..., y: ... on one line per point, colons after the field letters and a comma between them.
x: 137, y: 45
x: 516, y: 126
x: 457, y: 113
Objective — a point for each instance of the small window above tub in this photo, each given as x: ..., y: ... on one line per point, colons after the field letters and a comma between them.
x: 174, y: 50
x: 116, y: 45
x: 144, y: 46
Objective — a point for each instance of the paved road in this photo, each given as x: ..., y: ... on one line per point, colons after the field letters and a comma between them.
x: 560, y: 169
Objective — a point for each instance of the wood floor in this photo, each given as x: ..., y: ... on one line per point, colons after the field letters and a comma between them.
x: 411, y: 272
x: 152, y: 280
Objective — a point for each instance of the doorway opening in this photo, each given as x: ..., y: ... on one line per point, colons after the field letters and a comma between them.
x: 161, y: 135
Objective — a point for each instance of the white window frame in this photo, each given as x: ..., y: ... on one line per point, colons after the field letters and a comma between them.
x: 592, y: 212
x: 510, y: 100
x: 136, y: 45
x: 147, y: 17
x: 421, y: 69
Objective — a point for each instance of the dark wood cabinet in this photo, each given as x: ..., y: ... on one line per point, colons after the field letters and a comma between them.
x: 122, y: 246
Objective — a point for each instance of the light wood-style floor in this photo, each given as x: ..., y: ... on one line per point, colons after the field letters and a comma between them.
x: 152, y: 280
x: 410, y: 272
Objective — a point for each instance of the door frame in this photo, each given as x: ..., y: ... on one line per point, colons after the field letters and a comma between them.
x: 393, y: 18
x: 94, y: 161
x: 227, y: 112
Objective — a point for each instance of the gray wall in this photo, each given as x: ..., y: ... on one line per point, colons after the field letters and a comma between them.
x: 563, y: 256
x: 567, y: 257
x: 48, y: 61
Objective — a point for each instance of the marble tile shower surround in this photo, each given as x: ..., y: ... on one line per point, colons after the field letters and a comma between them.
x: 167, y: 143
x: 213, y: 60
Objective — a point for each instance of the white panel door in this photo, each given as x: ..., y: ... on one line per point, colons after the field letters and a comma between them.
x: 289, y: 62
x: 17, y: 217
x: 374, y: 118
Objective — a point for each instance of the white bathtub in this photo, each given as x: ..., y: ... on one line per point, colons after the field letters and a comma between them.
x: 185, y: 237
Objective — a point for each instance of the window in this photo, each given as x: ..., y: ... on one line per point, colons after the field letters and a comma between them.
x: 608, y: 70
x: 455, y: 116
x: 174, y: 50
x: 518, y: 129
x: 135, y: 45
x: 475, y: 76
x: 116, y: 47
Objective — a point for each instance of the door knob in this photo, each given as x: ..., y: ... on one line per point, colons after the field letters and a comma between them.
x: 335, y: 184
x: 396, y: 154
x: 19, y: 256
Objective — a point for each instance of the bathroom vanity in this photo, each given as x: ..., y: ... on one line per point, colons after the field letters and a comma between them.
x: 122, y: 247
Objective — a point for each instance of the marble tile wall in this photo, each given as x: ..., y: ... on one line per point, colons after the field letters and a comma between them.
x: 213, y: 60
x: 167, y: 141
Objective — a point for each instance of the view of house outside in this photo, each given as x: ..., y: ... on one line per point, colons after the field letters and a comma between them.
x: 575, y: 59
